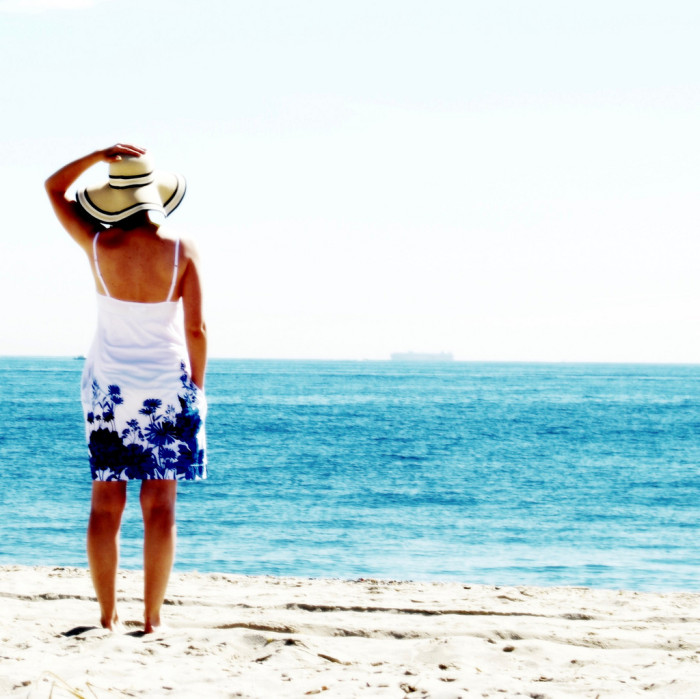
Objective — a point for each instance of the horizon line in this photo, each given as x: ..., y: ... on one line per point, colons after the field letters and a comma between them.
x: 389, y: 360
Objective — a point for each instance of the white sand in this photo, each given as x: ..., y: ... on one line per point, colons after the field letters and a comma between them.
x: 235, y: 636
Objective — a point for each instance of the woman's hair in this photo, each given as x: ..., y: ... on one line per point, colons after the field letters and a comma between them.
x: 140, y: 218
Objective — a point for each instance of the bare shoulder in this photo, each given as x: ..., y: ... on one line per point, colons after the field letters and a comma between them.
x: 189, y: 250
x: 191, y: 280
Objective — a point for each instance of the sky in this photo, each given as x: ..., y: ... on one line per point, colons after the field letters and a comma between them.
x: 506, y: 180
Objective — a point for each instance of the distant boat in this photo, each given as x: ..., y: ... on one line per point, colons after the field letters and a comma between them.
x: 422, y: 357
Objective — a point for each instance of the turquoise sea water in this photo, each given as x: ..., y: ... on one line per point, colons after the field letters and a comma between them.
x: 494, y: 473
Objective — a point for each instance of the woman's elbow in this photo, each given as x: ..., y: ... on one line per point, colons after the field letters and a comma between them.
x: 55, y: 194
x: 197, y: 331
x: 50, y: 190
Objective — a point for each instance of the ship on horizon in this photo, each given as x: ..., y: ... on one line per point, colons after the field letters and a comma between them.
x: 421, y: 357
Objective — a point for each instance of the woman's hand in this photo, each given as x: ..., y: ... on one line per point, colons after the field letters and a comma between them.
x: 116, y: 152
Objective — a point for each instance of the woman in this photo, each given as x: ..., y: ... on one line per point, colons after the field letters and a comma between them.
x: 143, y: 381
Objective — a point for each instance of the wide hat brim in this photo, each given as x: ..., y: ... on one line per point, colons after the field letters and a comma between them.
x: 111, y: 204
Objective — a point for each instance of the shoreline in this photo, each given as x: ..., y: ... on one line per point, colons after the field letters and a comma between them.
x: 262, y: 636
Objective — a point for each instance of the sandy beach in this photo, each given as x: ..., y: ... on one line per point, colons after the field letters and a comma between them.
x: 238, y: 636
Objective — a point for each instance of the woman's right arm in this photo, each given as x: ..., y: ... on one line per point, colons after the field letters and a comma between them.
x: 195, y: 327
x: 78, y: 224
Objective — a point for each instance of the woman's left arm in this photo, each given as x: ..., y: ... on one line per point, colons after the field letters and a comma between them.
x: 67, y: 210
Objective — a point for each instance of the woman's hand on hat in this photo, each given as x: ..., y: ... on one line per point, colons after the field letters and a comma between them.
x: 118, y: 150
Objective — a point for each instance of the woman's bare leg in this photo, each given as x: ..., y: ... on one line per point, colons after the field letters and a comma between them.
x: 158, y: 507
x: 107, y: 506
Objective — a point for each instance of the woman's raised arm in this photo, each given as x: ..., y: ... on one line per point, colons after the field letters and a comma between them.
x: 68, y: 212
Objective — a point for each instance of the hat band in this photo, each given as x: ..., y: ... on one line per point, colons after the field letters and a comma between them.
x: 126, y: 181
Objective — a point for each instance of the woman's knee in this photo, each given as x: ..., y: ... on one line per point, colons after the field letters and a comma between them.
x: 108, y: 498
x: 158, y: 498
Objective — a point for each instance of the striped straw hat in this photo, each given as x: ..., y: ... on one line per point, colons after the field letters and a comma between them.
x: 133, y: 186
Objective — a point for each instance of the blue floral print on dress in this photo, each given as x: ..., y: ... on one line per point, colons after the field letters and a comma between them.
x: 161, y: 443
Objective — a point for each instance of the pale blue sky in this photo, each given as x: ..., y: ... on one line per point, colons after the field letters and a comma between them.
x: 505, y: 180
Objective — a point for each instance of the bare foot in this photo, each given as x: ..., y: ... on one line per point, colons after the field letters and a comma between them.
x: 154, y: 627
x: 114, y: 625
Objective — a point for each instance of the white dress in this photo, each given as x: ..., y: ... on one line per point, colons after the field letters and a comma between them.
x: 144, y: 415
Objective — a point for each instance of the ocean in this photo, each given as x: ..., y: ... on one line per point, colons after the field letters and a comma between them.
x: 505, y: 474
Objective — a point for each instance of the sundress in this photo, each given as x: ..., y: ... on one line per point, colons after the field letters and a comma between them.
x: 144, y: 417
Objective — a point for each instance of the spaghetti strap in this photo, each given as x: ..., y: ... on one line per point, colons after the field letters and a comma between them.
x: 175, y: 266
x: 97, y: 266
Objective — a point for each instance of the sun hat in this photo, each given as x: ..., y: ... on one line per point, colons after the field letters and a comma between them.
x: 133, y: 186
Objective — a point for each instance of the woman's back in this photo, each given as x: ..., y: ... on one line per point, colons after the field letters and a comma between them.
x: 138, y: 264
